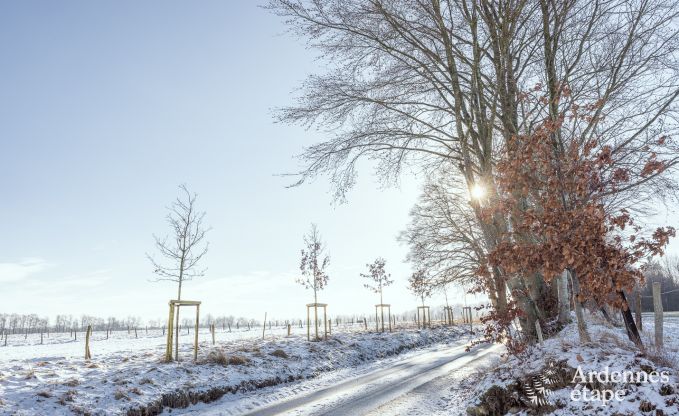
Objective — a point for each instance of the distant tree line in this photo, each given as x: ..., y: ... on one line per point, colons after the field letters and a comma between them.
x: 667, y: 273
x: 14, y: 323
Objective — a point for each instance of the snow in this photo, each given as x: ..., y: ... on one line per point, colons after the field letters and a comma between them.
x: 379, y: 387
x: 610, y: 349
x: 63, y: 345
x: 127, y: 373
x: 352, y: 390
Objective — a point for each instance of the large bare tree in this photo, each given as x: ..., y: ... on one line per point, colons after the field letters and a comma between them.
x: 444, y: 83
x: 182, y: 251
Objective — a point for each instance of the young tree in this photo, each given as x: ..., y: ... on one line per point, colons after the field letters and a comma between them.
x: 378, y: 279
x: 419, y: 285
x: 313, y: 262
x: 184, y: 249
x: 313, y: 265
x: 378, y: 276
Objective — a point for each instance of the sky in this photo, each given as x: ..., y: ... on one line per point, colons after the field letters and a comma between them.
x: 108, y: 106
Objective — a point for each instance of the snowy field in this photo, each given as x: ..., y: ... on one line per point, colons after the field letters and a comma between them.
x: 64, y: 345
x: 127, y: 376
x: 670, y: 332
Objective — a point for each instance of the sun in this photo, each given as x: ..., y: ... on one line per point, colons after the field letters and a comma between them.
x: 478, y: 191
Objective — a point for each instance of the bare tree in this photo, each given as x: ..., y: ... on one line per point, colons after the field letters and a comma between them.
x: 443, y: 83
x: 419, y: 285
x: 379, y: 277
x: 445, y: 238
x: 313, y: 266
x: 184, y: 249
x: 314, y: 262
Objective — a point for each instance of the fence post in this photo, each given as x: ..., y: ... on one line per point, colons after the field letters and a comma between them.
x: 88, y: 354
x: 657, y: 307
x: 637, y: 306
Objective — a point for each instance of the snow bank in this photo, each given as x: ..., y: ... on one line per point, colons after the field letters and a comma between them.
x: 136, y: 381
x: 542, y: 381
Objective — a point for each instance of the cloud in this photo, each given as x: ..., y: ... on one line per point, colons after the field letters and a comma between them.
x: 12, y: 272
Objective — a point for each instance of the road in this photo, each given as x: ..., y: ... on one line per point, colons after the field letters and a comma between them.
x: 410, y: 383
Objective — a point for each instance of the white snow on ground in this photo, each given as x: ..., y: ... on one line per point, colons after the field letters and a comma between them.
x: 129, y: 373
x: 609, y: 348
x: 442, y: 396
x: 343, y: 390
x: 20, y: 347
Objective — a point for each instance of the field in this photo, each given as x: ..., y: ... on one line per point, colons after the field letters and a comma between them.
x: 127, y: 376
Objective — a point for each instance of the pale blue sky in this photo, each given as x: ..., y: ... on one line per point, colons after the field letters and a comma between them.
x: 107, y: 106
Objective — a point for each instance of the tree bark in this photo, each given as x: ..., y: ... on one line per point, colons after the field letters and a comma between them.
x: 579, y: 312
x: 564, y: 299
x: 176, y: 335
x: 632, y: 331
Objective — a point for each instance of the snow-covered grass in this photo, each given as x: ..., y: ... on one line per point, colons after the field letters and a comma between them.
x: 670, y: 336
x: 127, y: 376
x: 553, y: 366
x: 20, y: 347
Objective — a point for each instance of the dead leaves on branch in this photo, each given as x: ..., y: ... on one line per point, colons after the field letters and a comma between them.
x: 554, y: 195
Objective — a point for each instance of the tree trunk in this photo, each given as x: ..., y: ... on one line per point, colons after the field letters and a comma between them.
x: 564, y: 299
x: 176, y: 335
x: 579, y: 313
x: 381, y: 308
x: 529, y: 317
x: 632, y: 331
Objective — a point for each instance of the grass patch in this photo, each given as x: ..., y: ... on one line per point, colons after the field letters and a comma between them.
x: 280, y: 354
x: 238, y: 360
x: 217, y: 357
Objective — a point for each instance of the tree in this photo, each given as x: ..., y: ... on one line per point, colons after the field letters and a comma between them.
x: 313, y: 263
x: 313, y: 266
x: 378, y: 279
x: 666, y: 272
x: 445, y: 239
x: 559, y: 198
x: 183, y: 251
x: 419, y: 285
x: 442, y: 83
